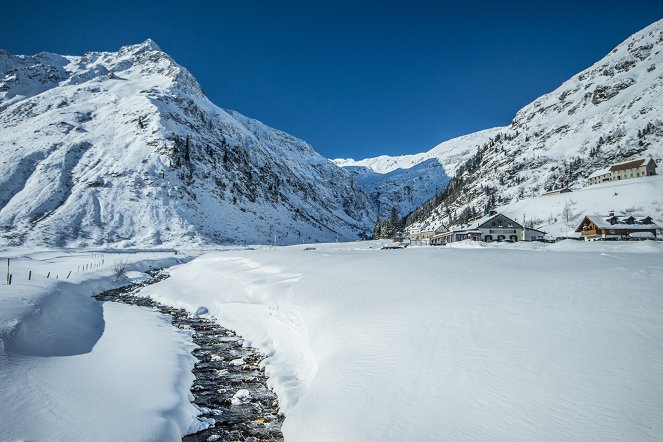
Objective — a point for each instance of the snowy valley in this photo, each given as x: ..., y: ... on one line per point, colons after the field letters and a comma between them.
x: 246, y: 255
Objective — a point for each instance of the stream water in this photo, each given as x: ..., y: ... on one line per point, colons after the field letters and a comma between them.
x: 230, y: 387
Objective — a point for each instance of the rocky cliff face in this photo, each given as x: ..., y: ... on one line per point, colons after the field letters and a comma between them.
x: 125, y: 148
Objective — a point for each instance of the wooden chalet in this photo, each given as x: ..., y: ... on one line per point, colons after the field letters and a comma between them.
x: 606, y: 227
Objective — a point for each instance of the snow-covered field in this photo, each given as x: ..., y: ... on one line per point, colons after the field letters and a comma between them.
x: 523, y: 341
x: 74, y: 369
x: 507, y: 342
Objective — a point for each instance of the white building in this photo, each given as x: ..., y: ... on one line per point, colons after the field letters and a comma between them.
x: 624, y: 171
x: 494, y: 227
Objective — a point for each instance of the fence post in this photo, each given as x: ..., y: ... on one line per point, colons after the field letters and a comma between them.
x: 68, y: 274
x: 49, y: 274
x: 29, y: 275
x: 10, y: 279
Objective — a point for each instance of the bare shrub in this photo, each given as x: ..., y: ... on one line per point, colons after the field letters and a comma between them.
x: 119, y: 268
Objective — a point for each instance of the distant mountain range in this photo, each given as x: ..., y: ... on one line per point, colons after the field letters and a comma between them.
x: 124, y: 148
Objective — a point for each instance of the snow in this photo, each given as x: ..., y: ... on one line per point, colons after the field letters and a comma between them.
x: 93, y: 151
x: 609, y: 113
x: 72, y: 368
x: 451, y: 154
x: 241, y: 397
x: 639, y: 197
x: 524, y: 341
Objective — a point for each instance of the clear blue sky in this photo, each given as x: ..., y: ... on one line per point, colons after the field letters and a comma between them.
x: 352, y: 78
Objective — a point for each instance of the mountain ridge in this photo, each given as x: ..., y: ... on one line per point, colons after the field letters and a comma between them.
x: 125, y: 148
x: 611, y: 111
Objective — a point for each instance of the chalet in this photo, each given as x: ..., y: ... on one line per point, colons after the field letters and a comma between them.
x: 494, y: 227
x: 602, y: 227
x: 624, y: 171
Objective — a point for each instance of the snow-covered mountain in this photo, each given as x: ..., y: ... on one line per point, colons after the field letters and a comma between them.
x: 124, y: 147
x: 407, y: 181
x: 610, y: 112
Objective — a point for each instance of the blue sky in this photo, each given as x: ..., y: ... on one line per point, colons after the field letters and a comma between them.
x: 354, y: 79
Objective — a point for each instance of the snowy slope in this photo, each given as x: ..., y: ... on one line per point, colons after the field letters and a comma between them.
x: 450, y: 154
x: 513, y: 342
x: 406, y: 181
x: 638, y: 197
x: 610, y: 112
x: 124, y: 147
x: 404, y: 189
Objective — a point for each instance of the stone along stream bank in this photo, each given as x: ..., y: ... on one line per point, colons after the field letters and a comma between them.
x: 230, y: 388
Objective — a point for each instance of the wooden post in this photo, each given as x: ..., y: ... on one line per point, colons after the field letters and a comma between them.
x: 49, y: 274
x: 68, y: 274
x: 10, y: 279
x: 30, y: 275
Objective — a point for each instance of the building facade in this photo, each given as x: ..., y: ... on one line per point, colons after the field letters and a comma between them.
x: 494, y: 227
x: 624, y: 171
x: 607, y: 227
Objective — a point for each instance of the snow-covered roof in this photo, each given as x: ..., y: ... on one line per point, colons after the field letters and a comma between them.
x: 604, y: 222
x: 600, y: 172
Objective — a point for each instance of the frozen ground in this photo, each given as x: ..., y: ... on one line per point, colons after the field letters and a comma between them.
x: 470, y: 342
x: 510, y: 342
x: 72, y: 369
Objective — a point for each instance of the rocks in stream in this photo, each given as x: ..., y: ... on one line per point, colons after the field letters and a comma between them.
x: 230, y: 388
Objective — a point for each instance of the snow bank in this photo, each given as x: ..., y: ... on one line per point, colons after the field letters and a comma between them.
x: 558, y: 342
x: 72, y: 368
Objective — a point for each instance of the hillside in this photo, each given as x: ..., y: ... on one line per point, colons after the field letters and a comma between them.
x: 610, y: 112
x: 407, y: 181
x: 125, y: 148
x: 560, y: 214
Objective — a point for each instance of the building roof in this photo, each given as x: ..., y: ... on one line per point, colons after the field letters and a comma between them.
x: 627, y: 165
x: 600, y: 172
x: 603, y: 222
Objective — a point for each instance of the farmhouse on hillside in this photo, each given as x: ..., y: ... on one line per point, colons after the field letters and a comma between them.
x: 624, y: 171
x: 602, y: 227
x: 494, y: 227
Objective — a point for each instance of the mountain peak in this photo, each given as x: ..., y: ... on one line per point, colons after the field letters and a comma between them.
x: 147, y: 45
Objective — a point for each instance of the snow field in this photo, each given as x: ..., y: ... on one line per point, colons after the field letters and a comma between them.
x: 72, y: 368
x: 516, y: 342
